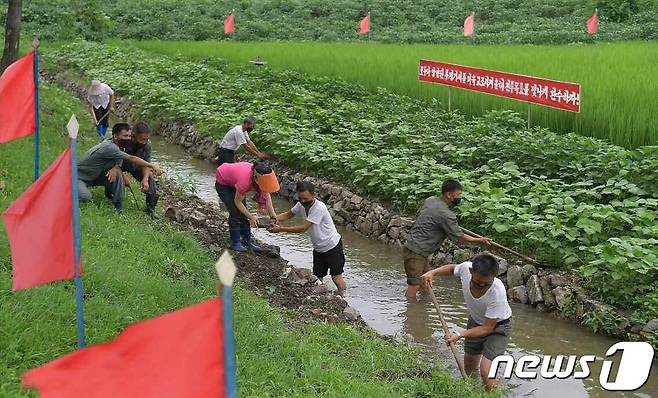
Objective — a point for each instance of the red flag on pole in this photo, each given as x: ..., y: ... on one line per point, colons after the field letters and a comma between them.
x: 469, y: 25
x: 174, y: 355
x: 39, y: 227
x: 364, y: 25
x: 17, y: 99
x: 229, y: 24
x: 593, y: 24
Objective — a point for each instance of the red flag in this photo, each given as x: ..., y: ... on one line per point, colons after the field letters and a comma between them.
x: 17, y: 99
x: 469, y: 25
x: 593, y: 24
x: 40, y: 228
x: 229, y: 24
x: 174, y: 355
x: 364, y: 25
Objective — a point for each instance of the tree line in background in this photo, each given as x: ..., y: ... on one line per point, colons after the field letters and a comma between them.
x: 405, y: 21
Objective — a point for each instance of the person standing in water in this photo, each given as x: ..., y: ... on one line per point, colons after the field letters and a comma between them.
x: 328, y: 254
x: 489, y: 325
x: 434, y: 223
x: 235, y: 138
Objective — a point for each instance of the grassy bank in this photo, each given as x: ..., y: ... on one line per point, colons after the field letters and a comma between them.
x: 125, y: 283
x: 614, y: 108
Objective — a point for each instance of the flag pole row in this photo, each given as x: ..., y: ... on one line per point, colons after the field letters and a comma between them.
x: 364, y: 24
x: 193, y: 347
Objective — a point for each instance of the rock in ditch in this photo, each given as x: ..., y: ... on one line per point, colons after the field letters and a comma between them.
x: 519, y: 294
x: 395, y: 222
x: 534, y: 290
x: 514, y: 276
x: 563, y: 297
x: 650, y: 326
x: 301, y: 276
x: 439, y: 259
x: 286, y: 272
x: 320, y: 289
x: 461, y: 255
x: 198, y: 217
x: 173, y: 214
x: 549, y: 299
x: 271, y: 251
x: 351, y: 314
x: 558, y: 280
x: 528, y: 270
x: 394, y: 232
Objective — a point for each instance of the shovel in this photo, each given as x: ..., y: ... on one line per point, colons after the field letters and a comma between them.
x: 507, y: 249
x: 445, y: 330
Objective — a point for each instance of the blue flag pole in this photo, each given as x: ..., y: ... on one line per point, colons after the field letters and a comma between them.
x: 226, y: 270
x: 35, y: 46
x: 229, y: 342
x: 73, y: 134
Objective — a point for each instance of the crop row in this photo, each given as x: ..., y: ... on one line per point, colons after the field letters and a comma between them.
x: 522, y: 187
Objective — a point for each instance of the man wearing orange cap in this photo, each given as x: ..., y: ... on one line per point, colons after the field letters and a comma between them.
x: 233, y: 182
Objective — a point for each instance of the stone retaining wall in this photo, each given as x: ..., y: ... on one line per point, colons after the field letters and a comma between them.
x: 554, y: 291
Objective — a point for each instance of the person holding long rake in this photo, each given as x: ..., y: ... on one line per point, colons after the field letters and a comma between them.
x: 101, y: 103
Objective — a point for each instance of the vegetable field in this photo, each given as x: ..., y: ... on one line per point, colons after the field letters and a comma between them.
x: 567, y: 199
x: 618, y: 98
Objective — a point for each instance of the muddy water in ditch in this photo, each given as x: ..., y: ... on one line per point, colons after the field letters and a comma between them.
x: 376, y: 281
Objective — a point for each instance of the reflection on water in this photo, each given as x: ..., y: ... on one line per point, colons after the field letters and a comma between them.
x: 376, y: 282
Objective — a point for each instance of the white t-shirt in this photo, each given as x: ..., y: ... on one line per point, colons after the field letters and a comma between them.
x: 103, y: 99
x: 324, y: 236
x: 493, y: 304
x: 234, y: 138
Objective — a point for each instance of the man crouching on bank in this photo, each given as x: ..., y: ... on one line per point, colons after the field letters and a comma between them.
x: 489, y: 326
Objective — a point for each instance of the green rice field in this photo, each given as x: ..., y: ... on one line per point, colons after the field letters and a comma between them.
x: 619, y: 81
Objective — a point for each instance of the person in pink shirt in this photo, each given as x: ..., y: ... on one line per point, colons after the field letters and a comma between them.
x: 233, y: 181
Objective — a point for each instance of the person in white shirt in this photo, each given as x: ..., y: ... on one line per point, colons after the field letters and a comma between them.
x: 489, y: 326
x: 328, y: 254
x: 101, y: 103
x: 235, y: 138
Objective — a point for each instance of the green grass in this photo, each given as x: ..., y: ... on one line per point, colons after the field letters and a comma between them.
x: 618, y: 80
x: 125, y: 283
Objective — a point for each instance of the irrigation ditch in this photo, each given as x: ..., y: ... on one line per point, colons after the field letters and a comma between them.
x: 549, y: 302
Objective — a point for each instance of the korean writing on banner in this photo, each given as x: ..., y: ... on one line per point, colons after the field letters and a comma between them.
x: 556, y: 94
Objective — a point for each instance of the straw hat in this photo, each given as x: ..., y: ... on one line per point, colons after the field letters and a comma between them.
x: 96, y: 88
x: 268, y: 183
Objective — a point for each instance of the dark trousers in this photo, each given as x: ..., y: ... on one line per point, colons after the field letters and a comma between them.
x: 102, y: 125
x: 226, y: 156
x: 227, y: 196
x: 113, y: 190
x: 151, y: 194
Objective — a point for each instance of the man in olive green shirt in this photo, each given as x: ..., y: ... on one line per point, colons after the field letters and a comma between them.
x: 435, y: 222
